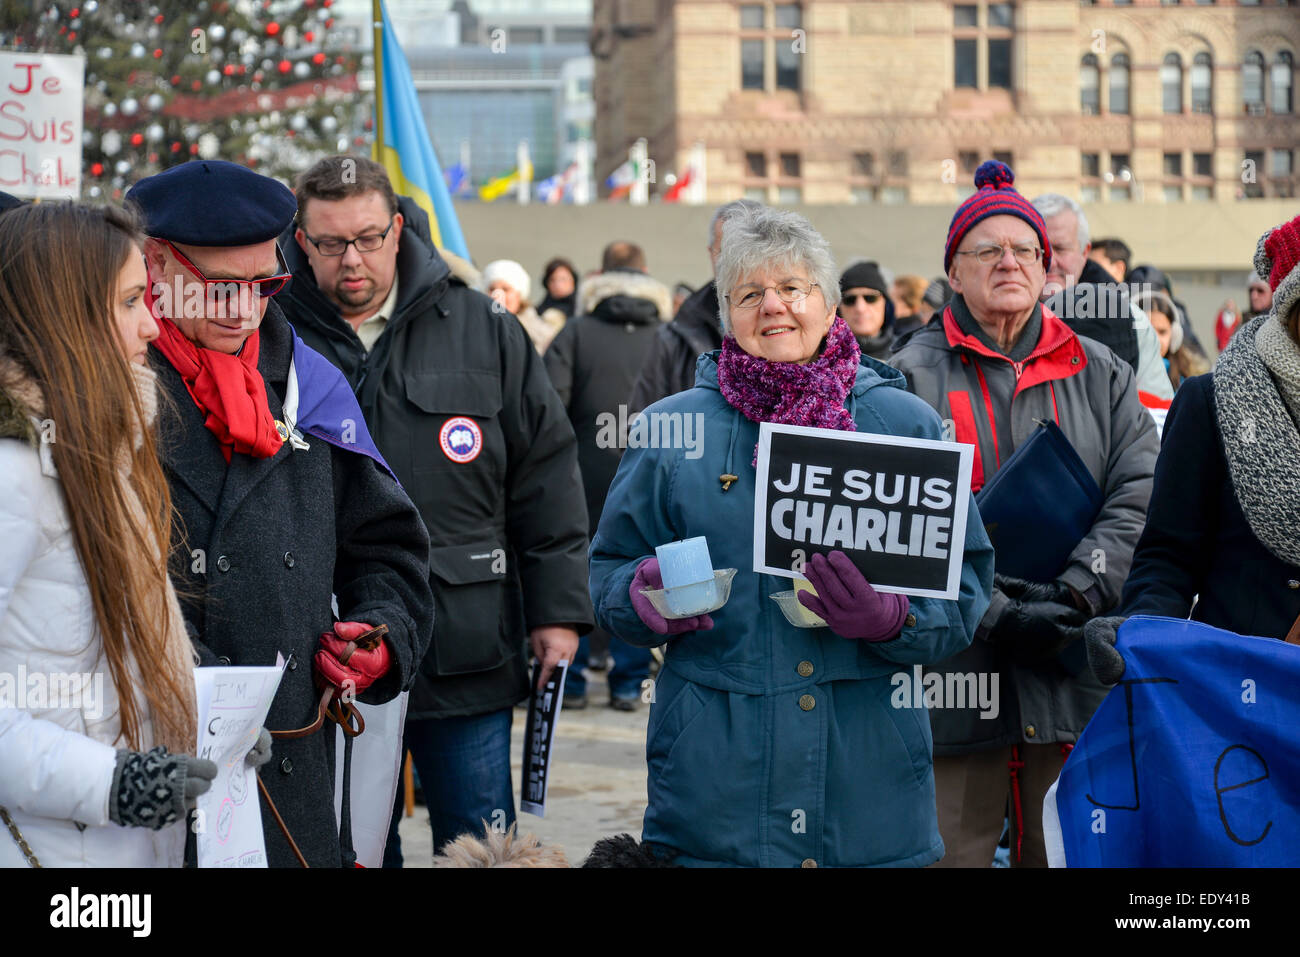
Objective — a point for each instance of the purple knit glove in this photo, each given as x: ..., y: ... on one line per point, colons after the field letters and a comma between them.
x: 848, y: 603
x: 647, y: 576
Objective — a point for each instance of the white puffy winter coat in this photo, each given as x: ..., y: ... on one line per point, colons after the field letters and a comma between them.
x: 57, y: 758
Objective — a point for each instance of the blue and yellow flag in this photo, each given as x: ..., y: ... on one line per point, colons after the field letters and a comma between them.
x: 402, y: 144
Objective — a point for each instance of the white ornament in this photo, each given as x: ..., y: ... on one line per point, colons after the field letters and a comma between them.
x: 299, y: 122
x: 129, y: 106
x: 213, y: 77
x: 329, y: 124
x: 122, y: 167
x: 155, y: 102
x: 155, y: 132
x: 90, y: 6
x: 209, y: 146
x: 216, y: 32
x: 94, y: 192
x: 111, y: 143
x: 301, y: 69
x: 137, y: 50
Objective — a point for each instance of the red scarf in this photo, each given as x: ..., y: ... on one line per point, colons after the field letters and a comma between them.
x: 227, y: 389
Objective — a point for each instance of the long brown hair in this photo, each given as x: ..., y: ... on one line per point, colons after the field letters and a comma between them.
x: 59, y: 270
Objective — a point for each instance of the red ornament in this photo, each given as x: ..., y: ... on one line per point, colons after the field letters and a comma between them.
x: 329, y: 23
x: 158, y: 19
x: 194, y: 149
x: 176, y: 147
x: 359, y: 141
x: 153, y: 157
x: 309, y: 36
x: 176, y: 79
x: 369, y: 125
x: 318, y: 59
x: 74, y: 13
x: 285, y: 66
x: 96, y: 169
x: 157, y: 54
x: 327, y: 3
x: 272, y: 28
x: 290, y: 133
x: 196, y: 86
x: 63, y: 29
x: 228, y: 70
x: 258, y: 76
x: 72, y: 37
x: 137, y: 139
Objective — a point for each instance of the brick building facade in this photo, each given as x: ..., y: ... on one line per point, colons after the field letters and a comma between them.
x: 882, y: 101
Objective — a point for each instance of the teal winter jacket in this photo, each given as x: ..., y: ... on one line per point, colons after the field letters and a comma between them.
x: 771, y: 745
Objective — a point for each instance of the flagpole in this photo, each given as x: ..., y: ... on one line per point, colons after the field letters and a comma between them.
x: 377, y: 16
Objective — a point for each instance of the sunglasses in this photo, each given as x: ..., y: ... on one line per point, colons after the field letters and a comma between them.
x: 870, y: 298
x: 231, y: 290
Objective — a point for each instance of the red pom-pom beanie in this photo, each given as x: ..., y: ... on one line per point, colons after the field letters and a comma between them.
x: 994, y: 196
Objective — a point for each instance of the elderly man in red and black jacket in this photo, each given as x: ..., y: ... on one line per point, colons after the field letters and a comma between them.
x: 996, y: 364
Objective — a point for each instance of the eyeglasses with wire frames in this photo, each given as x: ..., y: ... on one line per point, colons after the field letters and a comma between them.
x: 789, y: 291
x: 368, y: 243
x: 986, y: 254
x: 232, y: 290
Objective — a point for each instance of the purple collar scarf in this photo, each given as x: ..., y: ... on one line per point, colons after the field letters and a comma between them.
x: 791, y: 394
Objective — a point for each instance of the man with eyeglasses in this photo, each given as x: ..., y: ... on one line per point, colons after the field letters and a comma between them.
x: 865, y: 305
x: 284, y: 505
x: 1086, y: 298
x: 994, y: 364
x: 459, y: 402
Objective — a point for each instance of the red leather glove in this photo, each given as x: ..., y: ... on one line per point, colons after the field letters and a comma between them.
x: 362, y: 669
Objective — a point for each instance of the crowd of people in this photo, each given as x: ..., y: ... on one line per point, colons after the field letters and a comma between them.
x: 345, y: 427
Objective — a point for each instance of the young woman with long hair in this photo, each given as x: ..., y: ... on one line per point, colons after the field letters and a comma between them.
x: 97, y: 712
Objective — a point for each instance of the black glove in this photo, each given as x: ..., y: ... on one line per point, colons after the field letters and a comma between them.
x: 1022, y: 590
x: 153, y: 789
x: 1099, y: 636
x: 1034, y: 632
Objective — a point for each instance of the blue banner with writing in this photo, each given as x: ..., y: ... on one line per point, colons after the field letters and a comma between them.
x: 1192, y: 760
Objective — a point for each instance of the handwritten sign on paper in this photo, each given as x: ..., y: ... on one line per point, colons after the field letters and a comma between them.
x: 233, y: 702
x: 40, y: 124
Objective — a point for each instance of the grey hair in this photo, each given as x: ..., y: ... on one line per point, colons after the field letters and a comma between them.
x: 727, y: 210
x: 754, y: 239
x: 1052, y: 204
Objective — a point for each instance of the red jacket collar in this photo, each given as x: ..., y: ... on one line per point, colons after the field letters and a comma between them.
x: 1058, y: 355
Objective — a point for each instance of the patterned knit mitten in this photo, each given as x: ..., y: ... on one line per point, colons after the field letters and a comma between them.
x: 153, y: 789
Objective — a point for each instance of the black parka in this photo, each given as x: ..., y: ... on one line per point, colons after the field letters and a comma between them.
x: 593, y: 364
x: 508, y: 526
x: 669, y: 367
x: 267, y: 542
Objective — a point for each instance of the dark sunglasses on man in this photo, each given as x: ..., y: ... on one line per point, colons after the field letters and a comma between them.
x: 870, y: 298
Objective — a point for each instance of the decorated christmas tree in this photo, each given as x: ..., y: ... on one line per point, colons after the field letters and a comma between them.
x: 269, y: 84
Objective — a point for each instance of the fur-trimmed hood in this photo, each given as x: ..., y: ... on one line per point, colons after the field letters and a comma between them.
x: 21, y: 401
x: 595, y: 290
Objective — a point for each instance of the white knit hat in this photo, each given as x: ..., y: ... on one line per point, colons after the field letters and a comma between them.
x: 507, y: 271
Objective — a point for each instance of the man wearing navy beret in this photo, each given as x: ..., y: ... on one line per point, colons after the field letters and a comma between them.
x: 284, y: 504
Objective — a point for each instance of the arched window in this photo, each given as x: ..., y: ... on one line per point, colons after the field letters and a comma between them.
x: 1283, y: 86
x: 1202, y: 84
x: 1171, y: 84
x: 1089, y: 86
x: 1119, y: 73
x: 1252, y: 82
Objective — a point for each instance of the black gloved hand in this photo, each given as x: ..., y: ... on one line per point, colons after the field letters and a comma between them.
x: 1099, y: 636
x: 1033, y: 632
x: 153, y: 789
x: 1022, y: 590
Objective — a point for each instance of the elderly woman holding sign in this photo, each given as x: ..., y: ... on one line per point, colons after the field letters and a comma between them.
x: 772, y: 743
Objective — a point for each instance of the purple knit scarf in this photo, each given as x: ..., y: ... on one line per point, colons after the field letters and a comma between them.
x: 791, y: 394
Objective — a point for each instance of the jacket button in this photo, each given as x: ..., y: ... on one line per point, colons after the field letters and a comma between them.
x: 286, y: 766
x: 807, y: 702
x: 910, y: 620
x: 808, y: 862
x: 288, y: 560
x: 223, y: 563
x: 223, y: 660
x: 805, y: 668
x: 1029, y: 731
x: 1074, y: 360
x: 1293, y: 584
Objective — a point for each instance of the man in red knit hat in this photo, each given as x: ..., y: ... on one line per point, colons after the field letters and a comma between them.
x: 996, y: 363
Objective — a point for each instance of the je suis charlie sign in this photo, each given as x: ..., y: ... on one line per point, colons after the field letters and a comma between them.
x: 896, y: 506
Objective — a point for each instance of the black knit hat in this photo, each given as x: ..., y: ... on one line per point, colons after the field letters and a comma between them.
x: 864, y: 275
